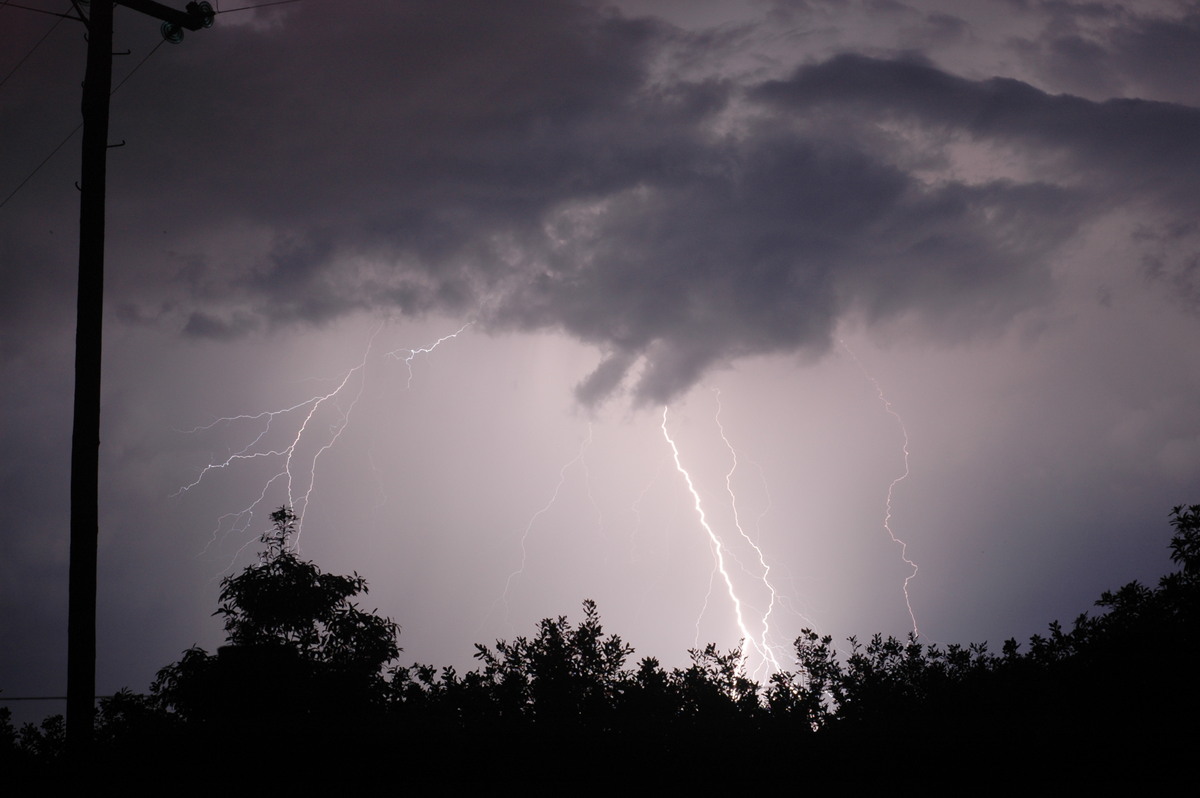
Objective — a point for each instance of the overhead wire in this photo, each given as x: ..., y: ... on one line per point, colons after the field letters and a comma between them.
x: 64, y: 15
x: 76, y: 129
x: 138, y: 66
x: 37, y: 44
x: 38, y: 168
x: 260, y: 5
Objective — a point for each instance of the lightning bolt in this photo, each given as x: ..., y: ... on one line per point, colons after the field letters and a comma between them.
x: 718, y: 549
x: 297, y: 470
x: 887, y: 515
x: 309, y: 408
x: 296, y: 437
x: 764, y: 647
x: 412, y: 353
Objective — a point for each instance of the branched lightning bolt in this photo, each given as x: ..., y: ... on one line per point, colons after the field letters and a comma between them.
x: 718, y: 550
x: 782, y: 599
x: 887, y: 515
x: 764, y: 647
x: 310, y: 407
x: 300, y: 478
x: 412, y: 353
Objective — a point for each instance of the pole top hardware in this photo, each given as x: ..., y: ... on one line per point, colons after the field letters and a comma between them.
x: 194, y: 16
x: 202, y: 12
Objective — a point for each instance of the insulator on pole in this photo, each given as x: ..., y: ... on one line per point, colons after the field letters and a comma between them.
x: 172, y: 32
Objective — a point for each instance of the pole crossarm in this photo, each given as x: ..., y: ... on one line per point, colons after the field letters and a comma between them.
x: 193, y: 18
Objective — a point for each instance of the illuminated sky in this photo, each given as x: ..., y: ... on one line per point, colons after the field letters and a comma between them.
x: 985, y: 210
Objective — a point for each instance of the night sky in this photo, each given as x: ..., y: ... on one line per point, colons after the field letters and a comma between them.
x: 822, y: 233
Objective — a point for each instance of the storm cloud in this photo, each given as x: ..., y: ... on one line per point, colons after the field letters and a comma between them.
x: 541, y: 166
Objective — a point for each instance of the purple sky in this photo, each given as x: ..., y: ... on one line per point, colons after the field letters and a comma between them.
x: 985, y: 210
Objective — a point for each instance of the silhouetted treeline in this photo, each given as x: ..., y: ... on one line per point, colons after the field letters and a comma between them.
x: 307, y: 677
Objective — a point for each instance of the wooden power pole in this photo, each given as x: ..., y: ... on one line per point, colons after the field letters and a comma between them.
x: 85, y: 437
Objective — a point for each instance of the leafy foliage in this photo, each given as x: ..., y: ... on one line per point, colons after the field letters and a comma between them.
x: 47, y: 741
x: 563, y: 674
x: 297, y: 643
x: 305, y: 664
x: 714, y: 689
x: 289, y: 602
x: 1185, y: 543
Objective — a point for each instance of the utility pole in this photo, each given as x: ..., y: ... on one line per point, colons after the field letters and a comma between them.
x: 85, y: 437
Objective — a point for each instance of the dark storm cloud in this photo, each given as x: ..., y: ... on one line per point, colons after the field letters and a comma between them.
x: 1107, y: 49
x: 1151, y: 148
x: 529, y: 156
x: 534, y: 163
x: 431, y: 139
x: 765, y: 246
x: 1136, y: 153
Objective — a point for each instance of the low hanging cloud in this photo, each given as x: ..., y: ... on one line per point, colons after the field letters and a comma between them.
x: 1111, y: 50
x: 535, y: 164
x: 766, y: 243
x: 1124, y: 147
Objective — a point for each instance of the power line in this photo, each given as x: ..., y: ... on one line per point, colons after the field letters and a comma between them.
x: 38, y: 168
x: 39, y: 10
x: 35, y: 46
x: 76, y: 129
x: 145, y: 58
x: 219, y: 10
x: 4, y: 698
x: 260, y: 5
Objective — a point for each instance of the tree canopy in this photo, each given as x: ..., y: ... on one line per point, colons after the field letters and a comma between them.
x: 296, y: 642
x: 305, y: 665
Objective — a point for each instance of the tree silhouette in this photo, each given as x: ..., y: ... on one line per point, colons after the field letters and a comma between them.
x: 304, y: 669
x: 297, y: 647
x: 289, y: 603
x: 563, y: 675
x: 1185, y: 543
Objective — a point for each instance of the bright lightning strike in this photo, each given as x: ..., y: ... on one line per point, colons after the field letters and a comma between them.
x: 763, y: 646
x: 719, y: 553
x: 412, y: 353
x: 297, y: 467
x: 887, y: 515
x: 310, y: 407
